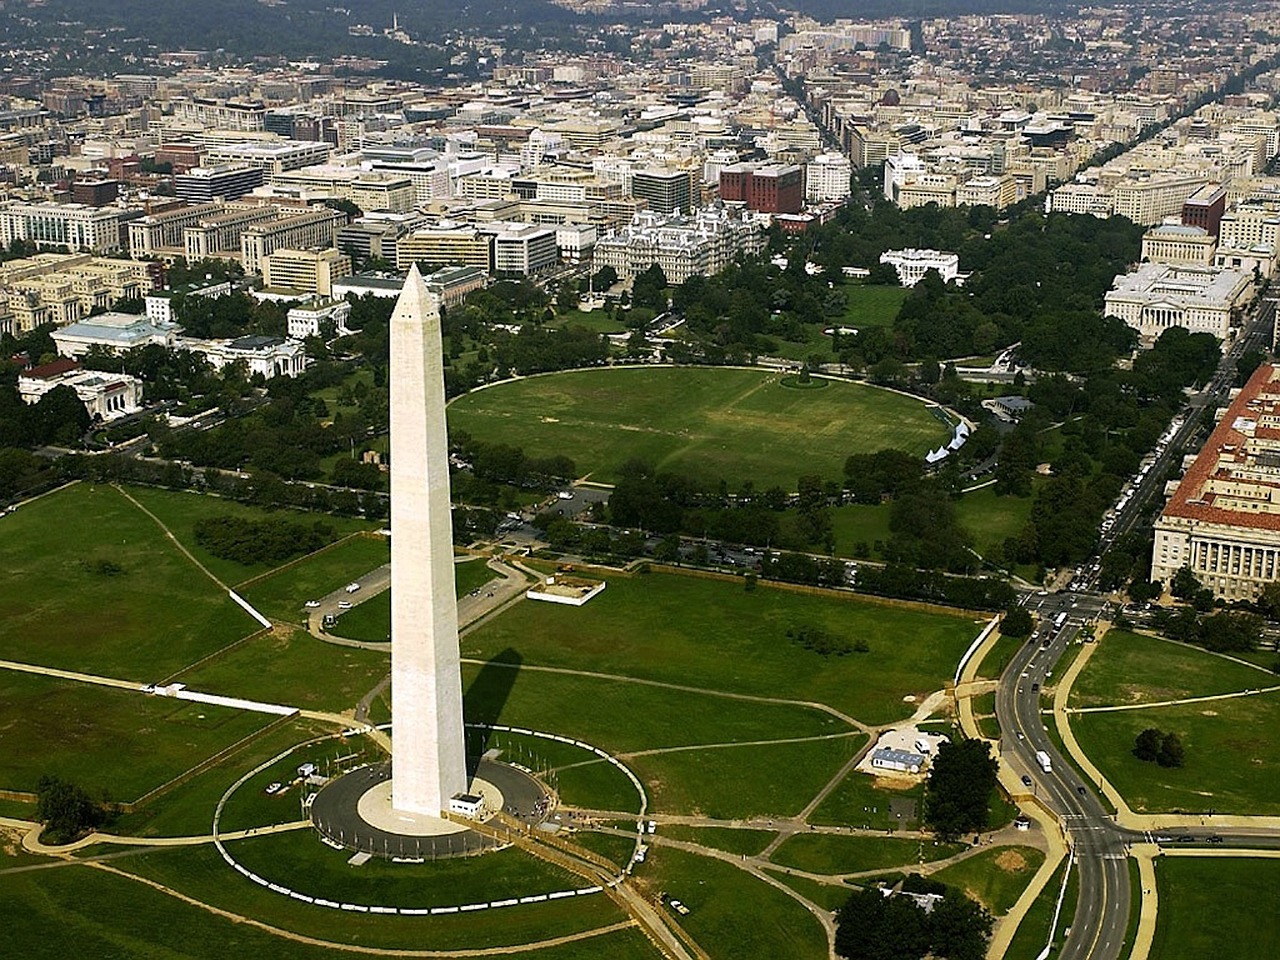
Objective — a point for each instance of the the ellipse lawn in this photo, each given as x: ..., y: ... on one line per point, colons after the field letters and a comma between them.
x: 706, y: 422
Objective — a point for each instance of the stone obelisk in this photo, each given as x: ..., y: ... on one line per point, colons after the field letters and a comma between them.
x: 428, y: 757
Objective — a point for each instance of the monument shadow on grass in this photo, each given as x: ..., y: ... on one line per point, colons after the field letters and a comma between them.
x: 485, y: 699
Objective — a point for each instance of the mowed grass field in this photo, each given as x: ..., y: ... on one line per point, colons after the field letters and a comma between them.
x: 88, y: 582
x: 1232, y: 756
x: 112, y: 742
x: 700, y: 632
x: 712, y: 424
x: 1132, y: 668
x: 1214, y: 908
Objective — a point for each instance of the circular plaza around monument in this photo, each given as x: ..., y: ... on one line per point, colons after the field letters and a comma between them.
x: 350, y: 812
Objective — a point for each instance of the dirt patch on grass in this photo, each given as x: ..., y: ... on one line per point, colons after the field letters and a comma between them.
x: 1011, y: 861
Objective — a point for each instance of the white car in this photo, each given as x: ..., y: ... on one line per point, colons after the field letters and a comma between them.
x: 274, y: 788
x: 352, y: 587
x: 311, y: 604
x: 344, y: 604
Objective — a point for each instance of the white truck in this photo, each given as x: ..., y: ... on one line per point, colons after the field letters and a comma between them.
x: 1042, y: 758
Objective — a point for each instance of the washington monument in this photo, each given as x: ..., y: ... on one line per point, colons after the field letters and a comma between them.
x: 428, y: 760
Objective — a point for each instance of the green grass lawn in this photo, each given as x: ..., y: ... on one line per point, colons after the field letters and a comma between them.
x: 298, y: 859
x: 281, y: 595
x: 749, y: 842
x: 995, y: 877
x: 991, y: 519
x: 1034, y: 930
x: 1131, y: 668
x: 831, y: 854
x: 181, y: 510
x: 860, y: 800
x: 295, y: 669
x: 998, y: 658
x: 597, y: 321
x: 828, y: 896
x: 709, y: 423
x: 90, y: 583
x: 1232, y: 757
x: 113, y: 742
x: 1211, y: 908
x: 640, y: 716
x: 736, y: 782
x: 698, y: 632
x: 732, y: 914
x: 872, y: 305
x: 188, y: 809
x: 201, y: 873
x: 371, y: 621
x: 860, y: 523
x: 988, y: 518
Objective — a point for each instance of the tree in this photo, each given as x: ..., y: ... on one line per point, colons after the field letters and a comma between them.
x: 1016, y: 623
x: 1171, y: 752
x: 65, y: 809
x: 959, y: 928
x: 958, y: 793
x: 1147, y: 745
x: 871, y: 926
x: 1184, y: 584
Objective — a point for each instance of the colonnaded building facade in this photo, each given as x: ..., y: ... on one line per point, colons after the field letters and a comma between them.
x: 1223, y: 520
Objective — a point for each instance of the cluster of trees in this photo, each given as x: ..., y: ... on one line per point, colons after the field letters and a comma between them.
x: 1016, y: 623
x: 501, y: 463
x: 962, y: 781
x: 289, y: 435
x: 272, y: 540
x: 908, y: 583
x: 1109, y: 421
x: 1156, y: 746
x: 873, y: 926
x: 66, y: 810
x: 258, y: 488
x: 824, y: 642
x: 1228, y: 631
x: 172, y: 374
x: 57, y: 418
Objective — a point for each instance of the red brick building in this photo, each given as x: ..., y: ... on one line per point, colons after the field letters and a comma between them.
x: 768, y: 189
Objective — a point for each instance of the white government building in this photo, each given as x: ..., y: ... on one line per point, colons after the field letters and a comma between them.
x: 1158, y: 296
x: 913, y: 264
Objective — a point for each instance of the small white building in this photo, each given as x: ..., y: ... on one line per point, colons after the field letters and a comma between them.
x: 107, y: 396
x: 468, y: 805
x: 912, y: 265
x: 901, y: 761
x: 268, y: 356
x: 159, y: 304
x: 309, y: 318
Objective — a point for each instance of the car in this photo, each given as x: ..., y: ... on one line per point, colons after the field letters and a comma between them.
x: 678, y: 907
x: 1035, y: 687
x: 344, y: 604
x: 1186, y: 838
x: 1026, y: 781
x: 1081, y: 790
x: 652, y: 826
x: 311, y: 604
x: 1214, y: 839
x: 273, y: 788
x: 352, y: 587
x: 1020, y: 735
